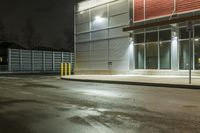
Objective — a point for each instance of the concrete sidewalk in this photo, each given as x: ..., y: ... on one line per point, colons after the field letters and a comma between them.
x: 148, y: 80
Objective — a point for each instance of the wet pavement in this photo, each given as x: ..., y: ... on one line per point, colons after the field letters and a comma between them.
x: 46, y: 104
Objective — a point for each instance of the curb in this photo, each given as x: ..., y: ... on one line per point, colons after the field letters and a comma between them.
x: 136, y: 83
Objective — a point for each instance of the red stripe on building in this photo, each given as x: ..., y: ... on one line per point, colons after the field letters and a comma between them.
x: 156, y: 8
x: 138, y: 10
x: 187, y: 5
x: 159, y: 8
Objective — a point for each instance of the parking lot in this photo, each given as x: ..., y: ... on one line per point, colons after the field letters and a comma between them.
x: 46, y: 104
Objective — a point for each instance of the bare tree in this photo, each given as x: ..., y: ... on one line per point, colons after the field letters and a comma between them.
x: 28, y: 33
x: 2, y: 32
x: 37, y: 40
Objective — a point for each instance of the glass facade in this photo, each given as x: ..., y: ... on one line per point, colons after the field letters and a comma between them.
x: 184, y: 55
x: 197, y: 47
x: 152, y: 56
x: 165, y: 55
x: 153, y: 49
x: 139, y: 57
x: 197, y: 54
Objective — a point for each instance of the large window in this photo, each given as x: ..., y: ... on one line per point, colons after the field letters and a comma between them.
x: 197, y: 47
x: 139, y: 56
x: 197, y: 54
x: 184, y: 55
x: 184, y: 34
x: 165, y: 35
x: 139, y: 38
x: 151, y: 56
x: 151, y: 37
x: 197, y: 31
x: 165, y: 55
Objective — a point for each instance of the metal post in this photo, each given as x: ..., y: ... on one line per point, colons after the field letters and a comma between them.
x: 65, y: 69
x: 190, y: 62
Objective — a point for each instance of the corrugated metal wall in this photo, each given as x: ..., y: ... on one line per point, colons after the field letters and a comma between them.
x: 38, y: 61
x: 101, y: 45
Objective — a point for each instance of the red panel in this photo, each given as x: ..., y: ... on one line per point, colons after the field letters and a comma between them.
x: 157, y: 8
x: 138, y: 10
x: 187, y: 5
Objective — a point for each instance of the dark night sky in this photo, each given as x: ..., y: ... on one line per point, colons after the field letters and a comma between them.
x: 50, y: 18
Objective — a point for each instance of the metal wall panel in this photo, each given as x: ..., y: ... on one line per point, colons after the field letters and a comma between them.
x: 57, y: 60
x: 99, y: 55
x: 84, y: 27
x: 95, y: 47
x: 26, y: 60
x: 83, y: 56
x: 99, y: 45
x: 118, y: 7
x: 119, y: 65
x: 82, y: 65
x: 83, y: 47
x: 99, y: 65
x: 83, y: 37
x: 83, y: 17
x: 119, y: 53
x: 119, y: 20
x: 15, y: 60
x: 38, y: 61
x: 117, y: 32
x: 102, y: 13
x: 97, y: 35
x: 48, y: 61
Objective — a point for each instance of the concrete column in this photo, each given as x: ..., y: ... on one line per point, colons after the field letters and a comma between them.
x: 175, y: 48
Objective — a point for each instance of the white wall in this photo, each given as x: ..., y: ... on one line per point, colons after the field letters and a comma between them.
x: 101, y: 41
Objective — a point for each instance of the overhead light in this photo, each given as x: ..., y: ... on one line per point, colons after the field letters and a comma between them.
x: 99, y: 19
x: 196, y: 40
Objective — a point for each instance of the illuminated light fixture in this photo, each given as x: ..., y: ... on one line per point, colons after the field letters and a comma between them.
x: 98, y: 19
x: 196, y: 40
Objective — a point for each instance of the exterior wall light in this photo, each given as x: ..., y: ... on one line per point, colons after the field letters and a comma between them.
x: 98, y: 19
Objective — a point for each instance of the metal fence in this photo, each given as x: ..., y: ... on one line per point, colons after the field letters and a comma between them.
x: 37, y: 61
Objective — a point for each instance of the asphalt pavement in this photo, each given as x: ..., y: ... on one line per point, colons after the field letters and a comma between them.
x: 46, y: 104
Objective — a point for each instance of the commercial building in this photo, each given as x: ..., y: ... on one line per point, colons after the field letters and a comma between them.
x: 137, y: 36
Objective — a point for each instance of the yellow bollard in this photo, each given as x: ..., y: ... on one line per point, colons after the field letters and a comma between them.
x: 61, y: 69
x: 69, y: 69
x: 65, y: 69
